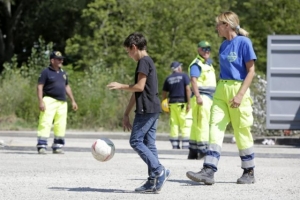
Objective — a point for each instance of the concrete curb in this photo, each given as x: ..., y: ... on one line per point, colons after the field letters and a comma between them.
x: 287, y: 140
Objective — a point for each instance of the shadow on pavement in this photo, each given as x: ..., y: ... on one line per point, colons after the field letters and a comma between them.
x: 88, y: 189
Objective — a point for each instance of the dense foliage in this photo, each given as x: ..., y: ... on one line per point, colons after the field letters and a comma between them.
x: 91, y: 32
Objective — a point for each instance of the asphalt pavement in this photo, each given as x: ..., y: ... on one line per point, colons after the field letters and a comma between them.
x: 77, y: 175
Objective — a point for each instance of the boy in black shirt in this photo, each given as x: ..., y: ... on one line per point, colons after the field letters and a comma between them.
x: 145, y: 96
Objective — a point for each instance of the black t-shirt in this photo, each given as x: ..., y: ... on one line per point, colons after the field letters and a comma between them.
x: 175, y: 84
x: 54, y: 83
x: 147, y: 101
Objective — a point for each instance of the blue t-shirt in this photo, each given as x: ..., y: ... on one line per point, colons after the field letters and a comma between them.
x: 233, y: 56
x: 176, y: 84
x: 54, y: 83
x: 195, y: 71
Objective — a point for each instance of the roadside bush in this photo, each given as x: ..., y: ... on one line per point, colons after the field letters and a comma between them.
x: 99, y: 108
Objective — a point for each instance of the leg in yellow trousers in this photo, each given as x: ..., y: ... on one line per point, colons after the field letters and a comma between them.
x: 56, y: 114
x: 199, y: 137
x: 241, y: 119
x: 180, y: 124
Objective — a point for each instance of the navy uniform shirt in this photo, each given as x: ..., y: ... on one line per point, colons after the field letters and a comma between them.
x: 147, y: 101
x: 176, y: 84
x: 54, y: 83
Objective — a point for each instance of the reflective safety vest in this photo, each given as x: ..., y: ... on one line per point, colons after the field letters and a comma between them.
x: 207, y: 80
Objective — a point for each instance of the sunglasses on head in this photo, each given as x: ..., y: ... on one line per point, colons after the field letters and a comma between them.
x: 206, y: 49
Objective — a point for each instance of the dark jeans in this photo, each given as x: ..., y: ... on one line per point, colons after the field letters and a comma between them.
x: 142, y: 140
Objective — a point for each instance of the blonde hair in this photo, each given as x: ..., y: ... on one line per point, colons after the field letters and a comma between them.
x: 232, y: 19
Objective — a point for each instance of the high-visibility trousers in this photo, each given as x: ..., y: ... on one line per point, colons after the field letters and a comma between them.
x: 180, y: 124
x: 241, y: 119
x: 199, y: 137
x: 56, y: 114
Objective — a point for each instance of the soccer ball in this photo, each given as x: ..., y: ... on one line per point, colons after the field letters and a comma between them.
x: 103, y: 149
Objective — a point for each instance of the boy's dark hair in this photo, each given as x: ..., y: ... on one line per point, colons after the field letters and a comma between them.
x: 136, y: 39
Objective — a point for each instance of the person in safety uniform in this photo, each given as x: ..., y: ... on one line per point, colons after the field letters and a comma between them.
x: 176, y: 87
x: 232, y: 101
x: 52, y: 89
x: 203, y: 82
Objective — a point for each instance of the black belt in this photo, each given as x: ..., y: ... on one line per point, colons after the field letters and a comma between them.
x: 177, y: 100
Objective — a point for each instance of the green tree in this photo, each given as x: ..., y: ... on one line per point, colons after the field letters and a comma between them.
x: 173, y: 29
x: 263, y: 18
x: 10, y: 16
x: 22, y: 22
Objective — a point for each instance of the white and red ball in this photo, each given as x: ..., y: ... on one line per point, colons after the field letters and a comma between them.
x: 103, y: 149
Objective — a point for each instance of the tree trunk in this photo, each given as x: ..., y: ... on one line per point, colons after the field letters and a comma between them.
x: 10, y: 25
x: 2, y: 47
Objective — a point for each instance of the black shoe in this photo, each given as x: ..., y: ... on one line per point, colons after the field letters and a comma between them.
x: 192, y: 155
x: 206, y: 175
x: 247, y: 177
x: 149, y: 186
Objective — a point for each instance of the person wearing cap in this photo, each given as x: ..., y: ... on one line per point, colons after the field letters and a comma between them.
x: 176, y: 88
x: 232, y: 102
x: 203, y: 83
x: 52, y: 90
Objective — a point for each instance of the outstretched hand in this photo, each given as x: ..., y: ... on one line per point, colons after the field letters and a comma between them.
x: 114, y: 86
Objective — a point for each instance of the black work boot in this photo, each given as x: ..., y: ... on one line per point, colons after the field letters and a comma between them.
x: 247, y: 177
x: 200, y: 156
x: 193, y: 155
x: 206, y: 175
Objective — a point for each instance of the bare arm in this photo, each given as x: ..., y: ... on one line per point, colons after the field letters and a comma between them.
x: 40, y: 97
x: 138, y: 87
x: 130, y: 105
x: 248, y: 80
x: 70, y: 95
x: 164, y: 95
x: 196, y: 90
x: 126, y: 122
x: 236, y: 101
x: 188, y: 97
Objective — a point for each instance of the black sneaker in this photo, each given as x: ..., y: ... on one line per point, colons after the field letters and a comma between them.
x: 247, y: 177
x: 149, y: 186
x: 162, y: 179
x: 206, y: 175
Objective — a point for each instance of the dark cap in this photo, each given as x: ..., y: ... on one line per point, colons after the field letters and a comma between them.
x: 56, y: 54
x: 203, y: 44
x: 175, y: 64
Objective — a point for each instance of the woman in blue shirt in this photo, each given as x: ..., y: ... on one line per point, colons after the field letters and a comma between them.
x: 231, y: 101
